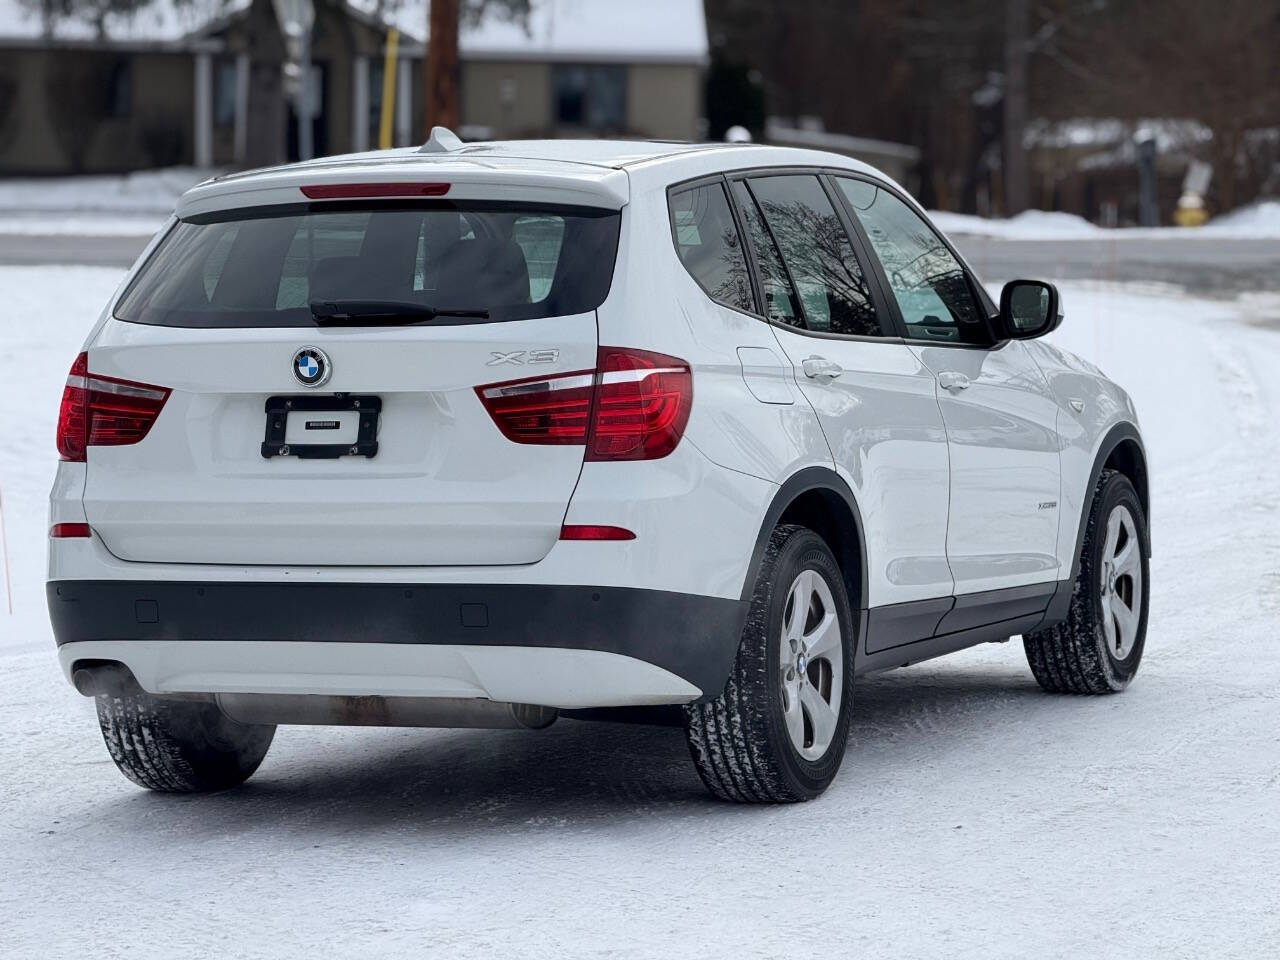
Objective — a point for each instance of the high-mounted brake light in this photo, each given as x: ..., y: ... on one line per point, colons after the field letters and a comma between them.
x: 365, y: 191
x: 103, y: 411
x: 633, y: 406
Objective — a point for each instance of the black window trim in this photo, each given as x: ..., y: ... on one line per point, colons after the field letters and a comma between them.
x: 889, y: 333
x: 753, y: 266
x: 880, y: 287
x: 747, y: 253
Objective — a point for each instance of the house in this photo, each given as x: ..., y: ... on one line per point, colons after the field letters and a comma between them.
x: 201, y: 82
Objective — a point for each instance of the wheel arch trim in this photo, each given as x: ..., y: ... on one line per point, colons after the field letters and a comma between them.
x: 823, y: 479
x: 1116, y: 437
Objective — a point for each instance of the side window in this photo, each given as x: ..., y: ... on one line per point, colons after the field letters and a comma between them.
x: 929, y: 284
x: 709, y: 246
x: 833, y: 290
x: 779, y: 299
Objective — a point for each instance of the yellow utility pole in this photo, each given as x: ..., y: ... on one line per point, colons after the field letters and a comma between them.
x: 388, y: 90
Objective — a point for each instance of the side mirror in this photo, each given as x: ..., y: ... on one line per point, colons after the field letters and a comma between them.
x: 1029, y: 309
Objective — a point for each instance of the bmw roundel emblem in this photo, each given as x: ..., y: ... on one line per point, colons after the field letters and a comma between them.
x: 311, y: 366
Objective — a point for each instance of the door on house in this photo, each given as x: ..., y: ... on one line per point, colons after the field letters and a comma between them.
x: 319, y: 102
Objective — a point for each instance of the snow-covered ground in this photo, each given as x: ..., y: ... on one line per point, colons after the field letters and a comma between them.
x: 975, y: 817
x: 135, y: 204
x: 1028, y: 225
x: 1258, y: 221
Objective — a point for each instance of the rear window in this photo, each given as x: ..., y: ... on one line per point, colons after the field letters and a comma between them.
x: 515, y: 261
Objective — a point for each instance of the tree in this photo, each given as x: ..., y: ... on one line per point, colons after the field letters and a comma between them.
x: 1215, y: 64
x: 441, y: 99
x: 93, y: 12
x: 1017, y: 182
x: 735, y: 97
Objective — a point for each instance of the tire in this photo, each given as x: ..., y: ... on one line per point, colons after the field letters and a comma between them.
x: 1098, y: 647
x: 179, y: 746
x: 744, y: 742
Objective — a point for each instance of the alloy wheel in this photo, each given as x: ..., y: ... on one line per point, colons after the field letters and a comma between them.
x: 812, y: 665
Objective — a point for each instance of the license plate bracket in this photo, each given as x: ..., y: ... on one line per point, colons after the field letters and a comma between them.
x: 279, y: 409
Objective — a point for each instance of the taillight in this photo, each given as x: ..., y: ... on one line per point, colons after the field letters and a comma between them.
x: 633, y: 406
x: 103, y: 411
x: 73, y: 414
x: 642, y: 405
x: 542, y: 409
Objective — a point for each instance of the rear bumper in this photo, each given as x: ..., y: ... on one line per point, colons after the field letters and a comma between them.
x: 565, y: 646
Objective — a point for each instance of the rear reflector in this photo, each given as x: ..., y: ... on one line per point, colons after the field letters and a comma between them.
x: 594, y: 531
x: 64, y: 531
x: 104, y: 411
x: 361, y: 191
x: 633, y: 406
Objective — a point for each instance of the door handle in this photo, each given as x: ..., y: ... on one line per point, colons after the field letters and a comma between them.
x: 817, y: 367
x: 951, y: 380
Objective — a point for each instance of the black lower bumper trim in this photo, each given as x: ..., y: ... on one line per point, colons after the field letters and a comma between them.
x: 694, y: 637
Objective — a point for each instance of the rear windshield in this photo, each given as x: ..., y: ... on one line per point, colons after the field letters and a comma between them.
x: 515, y: 261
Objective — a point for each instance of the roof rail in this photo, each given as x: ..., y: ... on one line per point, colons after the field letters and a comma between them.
x: 442, y: 140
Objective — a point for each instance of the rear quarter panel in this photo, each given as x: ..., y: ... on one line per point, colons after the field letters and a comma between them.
x: 655, y: 304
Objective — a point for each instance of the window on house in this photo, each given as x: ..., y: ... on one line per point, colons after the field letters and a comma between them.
x: 224, y: 93
x: 593, y: 97
x: 120, y: 90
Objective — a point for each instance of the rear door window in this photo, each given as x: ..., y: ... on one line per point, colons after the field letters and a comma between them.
x: 819, y: 257
x: 709, y: 246
x: 780, y: 301
x: 515, y: 261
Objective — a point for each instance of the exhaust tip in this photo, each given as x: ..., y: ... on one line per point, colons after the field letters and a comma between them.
x: 103, y: 678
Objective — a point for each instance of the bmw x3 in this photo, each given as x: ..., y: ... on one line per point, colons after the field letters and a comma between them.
x: 480, y: 434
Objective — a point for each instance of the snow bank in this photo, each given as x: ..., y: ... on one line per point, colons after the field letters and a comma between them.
x: 1029, y: 225
x: 133, y: 204
x: 86, y: 225
x: 143, y: 192
x: 1258, y: 221
x: 1261, y: 219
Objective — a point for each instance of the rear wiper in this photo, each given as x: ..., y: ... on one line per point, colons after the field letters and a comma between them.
x: 382, y: 312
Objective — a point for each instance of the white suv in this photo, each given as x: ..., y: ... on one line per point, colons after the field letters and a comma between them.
x: 477, y: 434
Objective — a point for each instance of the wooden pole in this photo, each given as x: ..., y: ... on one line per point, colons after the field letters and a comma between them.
x: 1017, y: 181
x: 441, y: 94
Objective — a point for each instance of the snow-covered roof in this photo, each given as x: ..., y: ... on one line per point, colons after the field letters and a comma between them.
x: 656, y: 31
x: 595, y: 30
x: 162, y: 21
